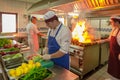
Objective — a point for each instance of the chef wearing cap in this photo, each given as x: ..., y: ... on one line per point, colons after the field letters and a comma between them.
x: 59, y: 39
x: 114, y: 56
x: 32, y: 34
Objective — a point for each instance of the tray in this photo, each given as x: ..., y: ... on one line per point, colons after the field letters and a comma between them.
x: 11, y: 62
x: 9, y: 51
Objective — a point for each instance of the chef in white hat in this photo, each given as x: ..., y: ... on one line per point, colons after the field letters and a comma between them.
x: 114, y: 56
x: 32, y: 34
x: 59, y: 39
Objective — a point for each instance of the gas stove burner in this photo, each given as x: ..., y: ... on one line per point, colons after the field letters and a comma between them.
x: 76, y: 42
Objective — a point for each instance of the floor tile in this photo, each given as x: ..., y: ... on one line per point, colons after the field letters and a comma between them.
x: 101, y: 74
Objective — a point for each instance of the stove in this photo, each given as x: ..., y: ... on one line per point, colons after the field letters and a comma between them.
x: 84, y: 57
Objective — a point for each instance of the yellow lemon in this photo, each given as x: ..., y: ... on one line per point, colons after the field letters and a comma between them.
x: 30, y: 62
x: 18, y: 72
x: 24, y: 65
x: 25, y: 70
x: 30, y: 66
x: 37, y: 64
x: 21, y: 69
x: 12, y: 72
x: 13, y: 75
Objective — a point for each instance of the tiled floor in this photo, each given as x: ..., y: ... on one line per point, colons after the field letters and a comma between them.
x: 99, y: 74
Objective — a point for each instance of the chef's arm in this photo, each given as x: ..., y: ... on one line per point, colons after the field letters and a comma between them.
x: 41, y: 34
x: 103, y: 40
x: 107, y: 40
x: 57, y: 54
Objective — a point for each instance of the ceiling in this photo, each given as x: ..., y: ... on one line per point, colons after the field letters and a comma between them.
x: 91, y: 7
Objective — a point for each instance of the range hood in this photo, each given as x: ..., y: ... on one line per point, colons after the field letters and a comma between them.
x: 91, y: 7
x: 46, y: 4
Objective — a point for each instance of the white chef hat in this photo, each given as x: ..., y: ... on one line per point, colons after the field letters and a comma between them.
x: 49, y: 15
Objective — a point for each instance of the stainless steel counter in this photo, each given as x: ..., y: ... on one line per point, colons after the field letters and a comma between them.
x: 63, y: 74
x: 104, y: 52
x: 60, y: 73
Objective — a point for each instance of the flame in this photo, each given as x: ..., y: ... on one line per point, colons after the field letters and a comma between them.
x: 80, y: 33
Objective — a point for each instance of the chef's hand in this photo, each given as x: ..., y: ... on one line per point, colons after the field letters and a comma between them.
x: 46, y: 57
x: 45, y: 50
x: 98, y: 42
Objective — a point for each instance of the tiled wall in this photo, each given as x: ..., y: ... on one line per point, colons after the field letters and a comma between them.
x: 101, y: 26
x: 42, y: 29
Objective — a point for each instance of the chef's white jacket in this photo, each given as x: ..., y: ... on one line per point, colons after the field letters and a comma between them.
x: 63, y: 37
x: 32, y: 32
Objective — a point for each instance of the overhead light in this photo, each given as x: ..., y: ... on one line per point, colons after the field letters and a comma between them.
x: 73, y: 14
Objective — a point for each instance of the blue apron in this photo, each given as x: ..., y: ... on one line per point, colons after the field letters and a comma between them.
x: 53, y: 47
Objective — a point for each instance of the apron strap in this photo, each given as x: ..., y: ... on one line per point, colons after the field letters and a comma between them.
x: 49, y: 32
x: 58, y: 30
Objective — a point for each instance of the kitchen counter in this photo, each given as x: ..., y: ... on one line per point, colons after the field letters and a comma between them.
x: 63, y: 74
x: 59, y: 73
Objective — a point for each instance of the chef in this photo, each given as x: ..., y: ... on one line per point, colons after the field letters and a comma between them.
x: 114, y: 57
x: 58, y: 43
x: 32, y: 33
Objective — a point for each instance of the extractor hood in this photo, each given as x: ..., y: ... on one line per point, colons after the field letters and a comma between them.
x: 46, y: 4
x: 92, y: 7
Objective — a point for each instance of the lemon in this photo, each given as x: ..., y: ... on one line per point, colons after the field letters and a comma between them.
x: 25, y: 70
x: 30, y: 62
x: 24, y: 65
x: 30, y: 66
x: 21, y: 69
x: 18, y: 72
x: 12, y: 72
x: 37, y: 64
